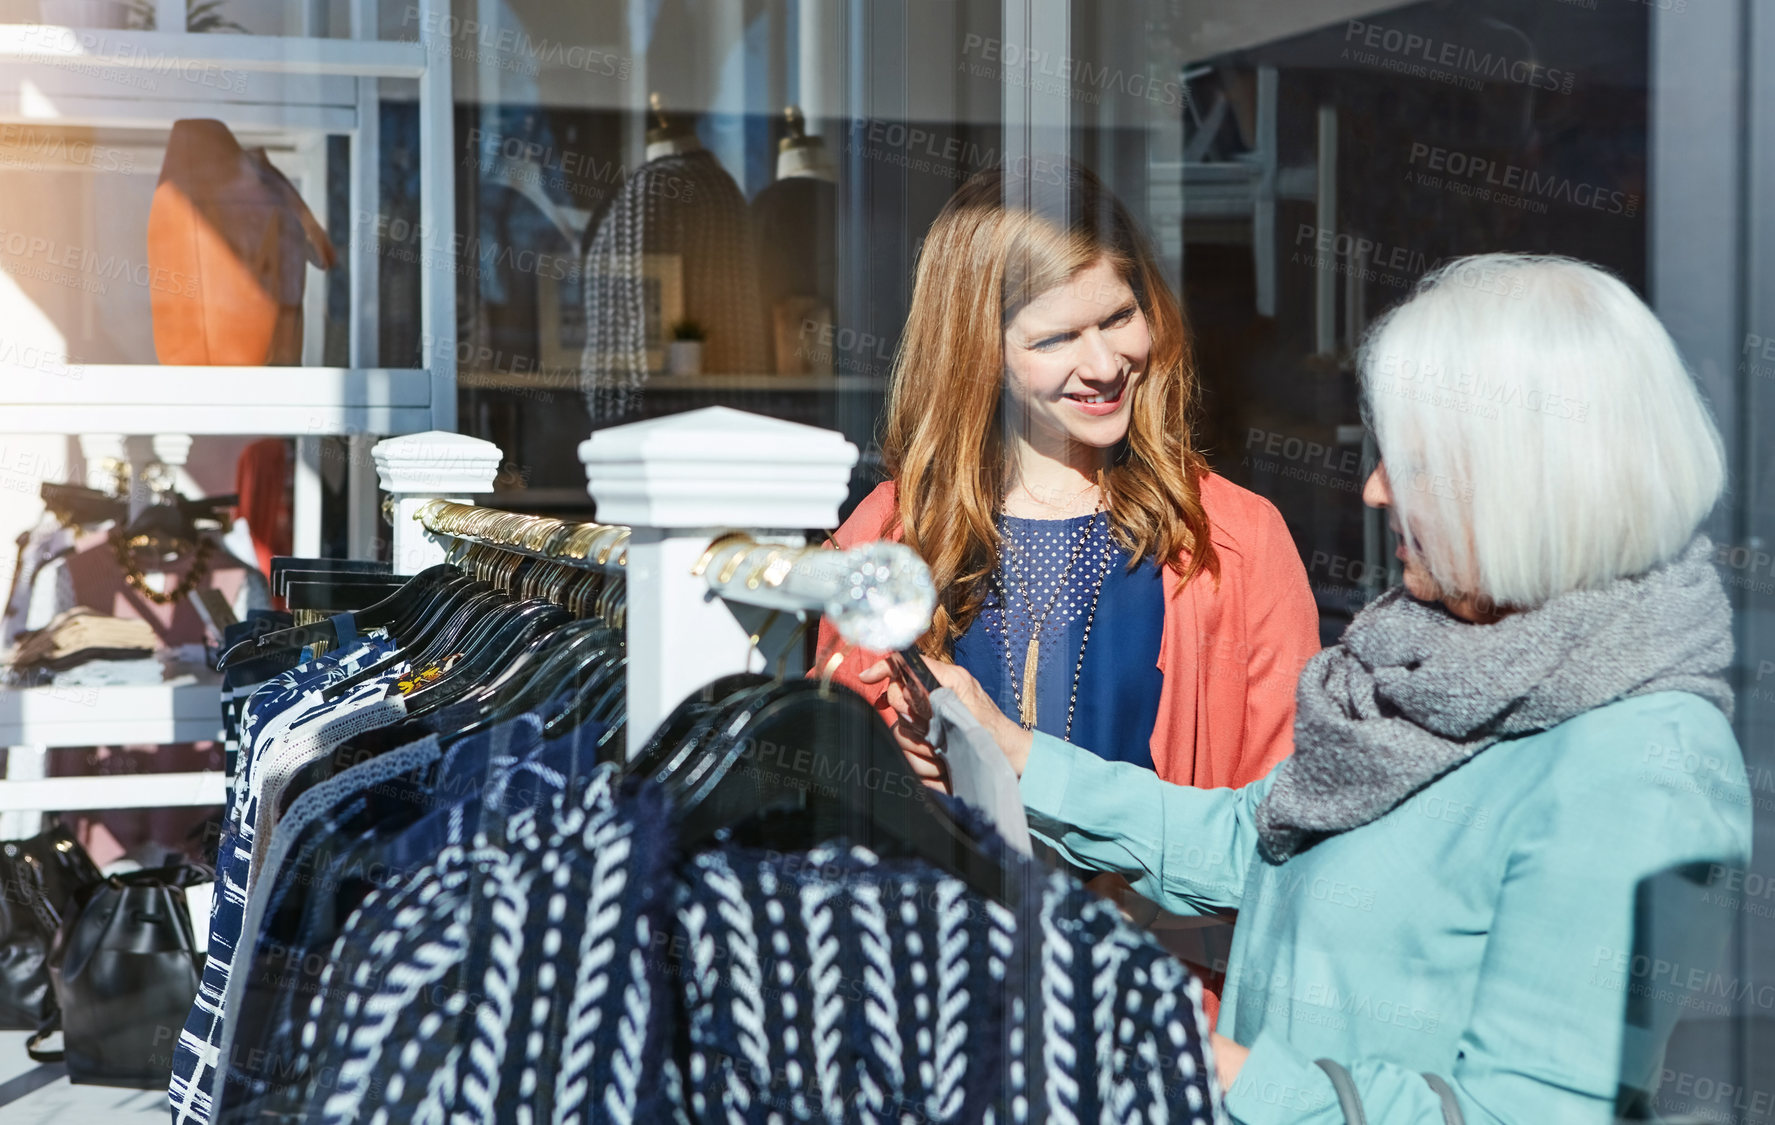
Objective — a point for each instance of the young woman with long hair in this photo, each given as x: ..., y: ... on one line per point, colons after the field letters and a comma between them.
x: 1096, y: 578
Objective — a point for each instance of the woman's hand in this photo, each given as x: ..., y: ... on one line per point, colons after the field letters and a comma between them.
x: 913, y: 727
x: 1229, y: 1059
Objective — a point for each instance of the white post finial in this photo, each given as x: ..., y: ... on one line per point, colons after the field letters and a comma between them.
x: 433, y: 465
x: 678, y: 482
x: 104, y: 455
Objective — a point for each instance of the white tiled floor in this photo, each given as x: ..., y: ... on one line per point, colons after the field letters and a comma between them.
x: 34, y: 1094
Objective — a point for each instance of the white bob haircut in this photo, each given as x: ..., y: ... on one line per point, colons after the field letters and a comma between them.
x: 1538, y: 427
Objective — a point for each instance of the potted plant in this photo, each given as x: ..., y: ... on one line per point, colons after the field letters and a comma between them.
x: 684, y: 355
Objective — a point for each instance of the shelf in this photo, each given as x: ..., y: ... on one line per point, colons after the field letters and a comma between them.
x: 281, y: 92
x: 763, y: 383
x: 150, y: 399
x: 174, y: 51
x: 100, y: 96
x: 111, y: 111
x: 680, y: 384
x: 186, y: 710
x: 115, y: 791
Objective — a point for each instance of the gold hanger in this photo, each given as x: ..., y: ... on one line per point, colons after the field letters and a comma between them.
x: 830, y: 668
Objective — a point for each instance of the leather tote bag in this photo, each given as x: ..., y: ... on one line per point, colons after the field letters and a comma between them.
x: 42, y: 880
x: 126, y: 970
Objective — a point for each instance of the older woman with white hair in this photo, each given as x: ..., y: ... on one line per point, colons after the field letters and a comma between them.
x: 1488, y: 880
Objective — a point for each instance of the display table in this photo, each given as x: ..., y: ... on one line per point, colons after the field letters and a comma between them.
x: 34, y: 721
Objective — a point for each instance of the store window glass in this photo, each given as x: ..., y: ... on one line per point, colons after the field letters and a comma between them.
x: 328, y: 222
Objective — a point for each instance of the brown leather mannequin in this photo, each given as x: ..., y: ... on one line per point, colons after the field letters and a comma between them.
x: 228, y: 245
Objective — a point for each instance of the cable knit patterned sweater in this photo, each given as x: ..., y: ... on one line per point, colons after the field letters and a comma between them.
x: 837, y: 986
x: 564, y: 968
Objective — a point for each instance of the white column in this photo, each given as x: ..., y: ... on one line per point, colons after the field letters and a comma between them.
x: 821, y: 50
x: 434, y: 465
x: 678, y: 482
x: 100, y: 451
x: 29, y: 762
x: 364, y: 279
x: 360, y: 498
x: 174, y: 451
x: 437, y: 211
x: 306, y: 497
x: 138, y: 449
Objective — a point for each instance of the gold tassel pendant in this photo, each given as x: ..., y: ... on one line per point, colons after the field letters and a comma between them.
x: 1031, y: 661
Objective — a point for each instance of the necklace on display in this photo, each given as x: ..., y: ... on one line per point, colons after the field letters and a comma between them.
x: 1023, y: 688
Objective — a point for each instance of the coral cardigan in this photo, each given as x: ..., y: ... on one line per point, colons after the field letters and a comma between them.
x: 1230, y: 655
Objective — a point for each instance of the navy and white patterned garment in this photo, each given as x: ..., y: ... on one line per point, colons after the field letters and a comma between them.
x: 395, y: 826
x: 317, y: 731
x: 277, y: 702
x: 823, y: 986
x: 528, y: 929
x: 311, y: 735
x: 284, y: 697
x: 242, y: 677
x: 301, y: 879
x: 836, y: 986
x: 554, y: 961
x: 362, y: 829
x: 511, y: 980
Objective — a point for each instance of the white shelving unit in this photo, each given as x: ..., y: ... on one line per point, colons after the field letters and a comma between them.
x: 298, y: 90
x: 36, y: 721
x: 301, y: 89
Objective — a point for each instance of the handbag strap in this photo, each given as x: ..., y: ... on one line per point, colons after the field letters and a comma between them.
x: 36, y: 894
x: 1451, y: 1109
x: 1347, y: 1098
x: 182, y: 874
x: 50, y: 1026
x: 1350, y: 1101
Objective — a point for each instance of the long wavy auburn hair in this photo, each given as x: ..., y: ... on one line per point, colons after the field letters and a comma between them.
x: 1001, y: 241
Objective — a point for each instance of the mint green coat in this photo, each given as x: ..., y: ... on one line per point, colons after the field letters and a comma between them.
x: 1529, y: 926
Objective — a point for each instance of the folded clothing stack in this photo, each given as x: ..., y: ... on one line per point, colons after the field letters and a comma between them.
x: 81, y: 636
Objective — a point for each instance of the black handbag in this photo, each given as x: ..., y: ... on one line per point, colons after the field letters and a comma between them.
x: 42, y: 881
x: 126, y: 970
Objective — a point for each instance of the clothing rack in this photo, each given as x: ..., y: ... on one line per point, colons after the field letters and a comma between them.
x: 593, y: 545
x: 707, y: 513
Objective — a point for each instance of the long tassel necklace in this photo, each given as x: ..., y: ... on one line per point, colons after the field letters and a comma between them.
x: 1023, y: 688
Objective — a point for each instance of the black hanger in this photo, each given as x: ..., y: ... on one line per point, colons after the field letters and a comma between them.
x: 822, y: 765
x: 334, y: 594
x: 537, y: 673
x: 424, y: 617
x: 606, y: 674
x: 526, y: 622
x: 679, y: 741
x: 418, y: 588
x: 283, y: 566
x: 441, y: 632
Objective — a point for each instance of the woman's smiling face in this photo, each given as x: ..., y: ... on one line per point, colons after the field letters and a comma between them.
x: 1074, y: 355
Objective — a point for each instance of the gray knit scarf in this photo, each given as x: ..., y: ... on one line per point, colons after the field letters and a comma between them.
x: 1411, y: 691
